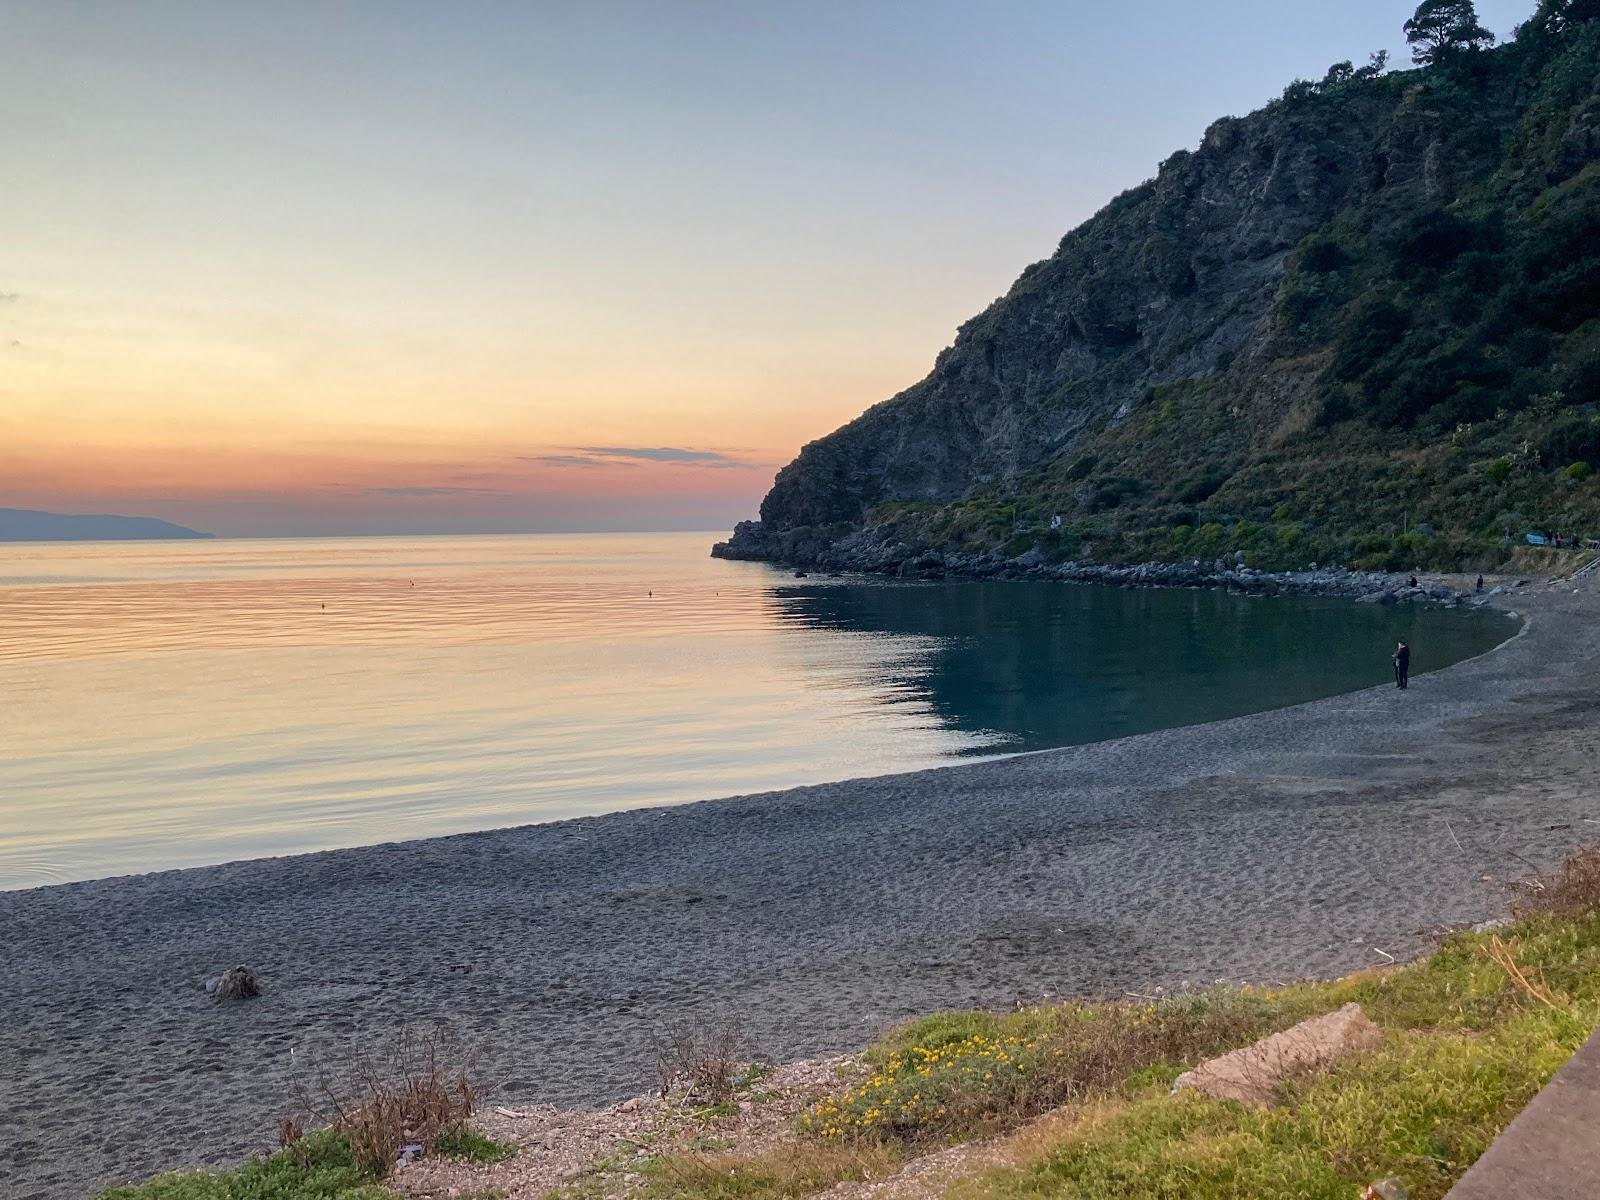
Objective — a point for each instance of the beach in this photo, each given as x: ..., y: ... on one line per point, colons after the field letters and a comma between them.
x: 1304, y: 841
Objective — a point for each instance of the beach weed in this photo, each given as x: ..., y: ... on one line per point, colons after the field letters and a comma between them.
x: 959, y: 1075
x: 1471, y: 1033
x: 1422, y: 1108
x: 415, y: 1089
x: 754, y: 1073
x: 1571, y: 890
x: 786, y: 1170
x: 699, y: 1058
x: 467, y: 1144
x: 319, y: 1166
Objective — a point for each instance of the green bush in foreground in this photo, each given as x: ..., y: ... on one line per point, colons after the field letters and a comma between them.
x: 957, y: 1075
x: 318, y: 1167
x: 471, y: 1146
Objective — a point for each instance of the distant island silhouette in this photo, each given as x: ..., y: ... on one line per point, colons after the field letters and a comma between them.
x: 30, y: 525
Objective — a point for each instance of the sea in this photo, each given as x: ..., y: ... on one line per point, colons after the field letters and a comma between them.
x: 172, y: 704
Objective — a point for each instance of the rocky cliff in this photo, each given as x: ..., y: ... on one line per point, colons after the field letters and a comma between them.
x: 1182, y: 360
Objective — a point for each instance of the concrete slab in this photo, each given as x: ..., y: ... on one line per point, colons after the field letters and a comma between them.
x: 1252, y: 1075
x: 1552, y: 1150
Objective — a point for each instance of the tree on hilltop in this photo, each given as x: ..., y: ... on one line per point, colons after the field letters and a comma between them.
x: 1556, y: 17
x: 1442, y: 30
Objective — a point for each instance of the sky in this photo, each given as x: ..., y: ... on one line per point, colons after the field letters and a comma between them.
x: 390, y: 267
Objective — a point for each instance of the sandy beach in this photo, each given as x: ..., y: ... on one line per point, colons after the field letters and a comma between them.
x: 1306, y: 841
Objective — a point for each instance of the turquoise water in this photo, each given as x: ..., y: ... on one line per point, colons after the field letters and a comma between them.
x: 179, y: 703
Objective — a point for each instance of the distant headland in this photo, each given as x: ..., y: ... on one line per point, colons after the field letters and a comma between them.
x: 29, y: 525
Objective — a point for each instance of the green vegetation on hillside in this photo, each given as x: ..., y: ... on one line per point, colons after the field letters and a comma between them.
x: 1459, y: 391
x: 1422, y: 389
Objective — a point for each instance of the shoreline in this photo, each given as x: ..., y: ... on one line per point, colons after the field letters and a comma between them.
x: 874, y: 551
x: 1432, y: 592
x: 1272, y: 846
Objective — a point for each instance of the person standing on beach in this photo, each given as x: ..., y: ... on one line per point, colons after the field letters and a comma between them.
x: 1402, y: 665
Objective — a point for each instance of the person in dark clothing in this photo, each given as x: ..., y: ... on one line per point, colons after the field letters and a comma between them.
x: 1479, y: 588
x: 1402, y: 665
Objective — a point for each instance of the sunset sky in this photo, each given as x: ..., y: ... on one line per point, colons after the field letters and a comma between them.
x: 402, y: 267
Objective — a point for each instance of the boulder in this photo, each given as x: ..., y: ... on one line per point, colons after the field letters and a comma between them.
x: 1385, y: 1189
x: 1252, y: 1075
x: 236, y: 983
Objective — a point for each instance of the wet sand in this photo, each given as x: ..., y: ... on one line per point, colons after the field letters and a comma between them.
x: 1290, y: 843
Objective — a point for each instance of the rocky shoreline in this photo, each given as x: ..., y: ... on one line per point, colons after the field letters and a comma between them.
x: 877, y: 551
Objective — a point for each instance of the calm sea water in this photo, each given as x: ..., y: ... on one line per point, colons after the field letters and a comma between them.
x: 169, y: 704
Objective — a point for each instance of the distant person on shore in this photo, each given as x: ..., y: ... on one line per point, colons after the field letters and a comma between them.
x: 1402, y: 665
x: 1411, y: 581
x: 1479, y: 586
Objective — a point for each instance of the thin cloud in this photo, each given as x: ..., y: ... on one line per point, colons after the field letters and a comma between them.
x: 435, y: 491
x: 561, y: 460
x: 10, y: 297
x: 629, y: 456
x: 670, y: 454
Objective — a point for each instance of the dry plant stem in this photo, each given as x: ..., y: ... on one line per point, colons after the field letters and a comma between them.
x: 700, y: 1056
x: 411, y: 1092
x: 290, y: 1130
x: 1504, y: 956
x: 1572, y: 890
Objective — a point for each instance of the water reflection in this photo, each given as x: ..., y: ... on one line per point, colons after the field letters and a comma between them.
x: 169, y: 704
x: 1044, y: 664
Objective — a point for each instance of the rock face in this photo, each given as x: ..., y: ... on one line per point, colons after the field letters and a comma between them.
x: 1252, y: 1075
x: 1174, y: 279
x: 1165, y: 284
x: 1178, y: 283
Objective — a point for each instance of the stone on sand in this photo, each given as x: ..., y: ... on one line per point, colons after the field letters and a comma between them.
x: 236, y: 983
x: 1251, y: 1075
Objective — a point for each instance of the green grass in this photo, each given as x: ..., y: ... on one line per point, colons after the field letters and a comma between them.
x: 1420, y: 1109
x: 788, y: 1170
x: 472, y: 1146
x: 955, y: 1076
x: 319, y: 1167
x: 1466, y: 1047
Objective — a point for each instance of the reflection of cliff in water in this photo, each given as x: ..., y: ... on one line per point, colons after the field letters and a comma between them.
x: 1054, y: 664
